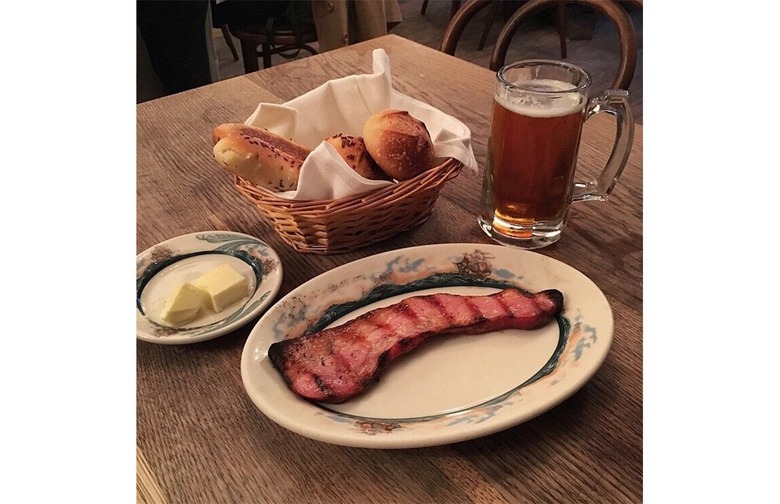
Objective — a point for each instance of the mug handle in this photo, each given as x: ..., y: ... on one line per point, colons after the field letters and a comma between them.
x: 614, y: 102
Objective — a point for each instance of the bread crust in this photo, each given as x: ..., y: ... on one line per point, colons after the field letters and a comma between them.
x: 259, y: 156
x: 394, y: 145
x: 353, y: 150
x: 399, y: 143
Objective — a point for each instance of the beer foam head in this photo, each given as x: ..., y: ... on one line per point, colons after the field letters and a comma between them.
x: 540, y: 98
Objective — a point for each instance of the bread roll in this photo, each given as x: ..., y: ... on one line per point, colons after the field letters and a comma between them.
x: 259, y: 156
x: 227, y: 129
x: 353, y: 150
x: 399, y: 143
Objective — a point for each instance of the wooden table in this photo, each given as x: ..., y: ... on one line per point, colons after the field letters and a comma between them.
x: 199, y: 436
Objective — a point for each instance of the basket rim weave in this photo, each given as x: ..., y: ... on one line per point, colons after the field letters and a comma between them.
x: 344, y: 224
x: 449, y: 167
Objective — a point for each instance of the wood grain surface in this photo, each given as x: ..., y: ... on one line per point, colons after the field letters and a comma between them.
x: 200, y: 439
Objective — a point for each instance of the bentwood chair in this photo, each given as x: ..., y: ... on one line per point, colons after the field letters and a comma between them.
x: 285, y: 33
x: 453, y: 8
x: 228, y: 40
x: 611, y: 9
x: 263, y: 41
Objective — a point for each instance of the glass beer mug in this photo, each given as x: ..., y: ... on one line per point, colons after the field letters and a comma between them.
x: 539, y: 108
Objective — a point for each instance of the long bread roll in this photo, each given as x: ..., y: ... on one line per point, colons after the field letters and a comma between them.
x: 259, y: 156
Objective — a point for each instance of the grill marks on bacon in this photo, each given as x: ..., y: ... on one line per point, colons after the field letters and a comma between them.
x: 338, y: 363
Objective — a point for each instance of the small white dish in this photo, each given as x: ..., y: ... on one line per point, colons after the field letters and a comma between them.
x: 184, y: 258
x: 452, y: 388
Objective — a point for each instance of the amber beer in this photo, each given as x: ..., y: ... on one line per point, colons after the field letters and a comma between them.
x: 532, y: 154
x: 539, y: 108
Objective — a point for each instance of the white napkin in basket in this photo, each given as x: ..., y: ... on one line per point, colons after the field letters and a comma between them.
x: 342, y: 106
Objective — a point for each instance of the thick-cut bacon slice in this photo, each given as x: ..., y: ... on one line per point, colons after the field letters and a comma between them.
x: 338, y: 363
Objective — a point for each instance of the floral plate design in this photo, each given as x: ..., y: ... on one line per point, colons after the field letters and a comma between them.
x: 186, y: 257
x: 451, y: 388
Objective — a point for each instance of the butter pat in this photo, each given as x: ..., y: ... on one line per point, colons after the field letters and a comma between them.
x: 222, y: 286
x: 183, y: 304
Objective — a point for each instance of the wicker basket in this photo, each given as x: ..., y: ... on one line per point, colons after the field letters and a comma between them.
x: 345, y: 224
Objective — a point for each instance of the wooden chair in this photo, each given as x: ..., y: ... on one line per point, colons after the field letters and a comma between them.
x: 453, y: 7
x: 229, y: 41
x: 560, y: 20
x: 612, y: 9
x: 263, y: 41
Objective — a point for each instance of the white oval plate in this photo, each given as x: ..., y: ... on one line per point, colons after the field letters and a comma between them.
x: 186, y: 257
x: 450, y: 389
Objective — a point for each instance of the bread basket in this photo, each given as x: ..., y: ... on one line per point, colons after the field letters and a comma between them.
x: 345, y: 224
